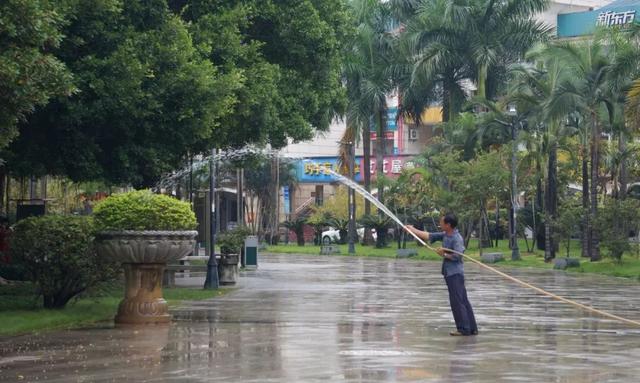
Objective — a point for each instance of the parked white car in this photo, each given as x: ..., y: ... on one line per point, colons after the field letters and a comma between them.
x: 333, y: 235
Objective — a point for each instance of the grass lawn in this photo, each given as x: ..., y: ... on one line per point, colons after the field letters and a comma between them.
x: 628, y: 268
x: 21, y: 311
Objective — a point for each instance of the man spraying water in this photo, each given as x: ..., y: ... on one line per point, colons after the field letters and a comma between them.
x: 453, y: 272
x: 453, y: 247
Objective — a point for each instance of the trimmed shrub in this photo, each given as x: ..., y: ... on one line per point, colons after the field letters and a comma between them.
x: 58, y: 254
x: 143, y: 210
x: 232, y: 241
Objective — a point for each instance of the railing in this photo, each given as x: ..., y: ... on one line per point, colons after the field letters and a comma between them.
x: 304, y: 205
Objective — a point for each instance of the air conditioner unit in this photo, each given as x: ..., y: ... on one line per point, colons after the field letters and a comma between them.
x: 413, y: 134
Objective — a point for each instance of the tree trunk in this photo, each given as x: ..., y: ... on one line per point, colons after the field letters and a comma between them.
x: 380, y: 155
x: 551, y: 203
x: 497, y: 230
x: 622, y: 147
x: 366, y: 176
x: 595, y: 161
x: 3, y: 177
x: 482, y: 81
x: 586, y: 234
x: 480, y: 230
x: 538, y: 205
x: 446, y: 102
x: 300, y: 236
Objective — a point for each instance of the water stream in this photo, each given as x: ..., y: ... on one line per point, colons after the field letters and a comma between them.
x: 363, y: 192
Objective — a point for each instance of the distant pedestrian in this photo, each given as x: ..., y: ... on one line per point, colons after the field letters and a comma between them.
x: 453, y: 272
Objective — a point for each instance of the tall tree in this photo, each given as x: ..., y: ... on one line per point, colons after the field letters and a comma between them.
x: 588, y: 89
x: 30, y: 74
x: 454, y: 41
x: 145, y: 98
x: 288, y: 55
x: 368, y: 81
x: 539, y: 90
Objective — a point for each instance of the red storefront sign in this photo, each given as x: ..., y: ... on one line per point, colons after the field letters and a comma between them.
x: 391, y: 166
x: 387, y: 135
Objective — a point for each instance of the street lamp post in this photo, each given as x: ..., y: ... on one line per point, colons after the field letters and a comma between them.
x: 212, y: 281
x: 515, y: 251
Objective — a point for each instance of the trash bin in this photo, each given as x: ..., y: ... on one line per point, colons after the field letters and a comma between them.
x: 251, y: 252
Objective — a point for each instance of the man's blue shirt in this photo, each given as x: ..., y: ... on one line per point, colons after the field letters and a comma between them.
x: 454, y: 242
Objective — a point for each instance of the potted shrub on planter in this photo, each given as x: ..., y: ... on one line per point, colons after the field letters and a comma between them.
x: 144, y: 231
x: 231, y: 243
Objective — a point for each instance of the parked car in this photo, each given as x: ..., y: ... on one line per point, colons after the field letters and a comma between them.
x: 333, y: 235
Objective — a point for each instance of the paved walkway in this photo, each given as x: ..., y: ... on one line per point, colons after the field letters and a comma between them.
x: 341, y: 319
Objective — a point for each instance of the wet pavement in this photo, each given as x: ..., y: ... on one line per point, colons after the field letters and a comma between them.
x: 341, y: 319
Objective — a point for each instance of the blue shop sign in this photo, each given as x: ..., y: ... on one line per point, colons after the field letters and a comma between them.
x: 617, y: 14
x: 392, y: 115
x: 314, y: 170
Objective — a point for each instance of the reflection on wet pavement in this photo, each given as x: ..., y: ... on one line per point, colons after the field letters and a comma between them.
x: 306, y: 319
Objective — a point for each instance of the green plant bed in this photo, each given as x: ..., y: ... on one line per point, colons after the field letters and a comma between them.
x: 361, y: 251
x: 628, y: 268
x: 22, y: 312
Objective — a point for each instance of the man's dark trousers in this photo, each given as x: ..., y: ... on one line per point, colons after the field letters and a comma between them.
x: 460, y: 306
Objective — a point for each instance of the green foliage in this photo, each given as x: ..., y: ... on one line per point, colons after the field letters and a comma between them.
x: 567, y: 224
x: 338, y: 205
x: 318, y: 220
x: 146, y: 98
x: 614, y: 222
x: 342, y: 225
x: 296, y: 224
x: 288, y: 55
x: 381, y: 224
x: 411, y: 194
x: 143, y: 210
x: 472, y: 39
x: 29, y: 74
x: 232, y: 241
x: 59, y: 256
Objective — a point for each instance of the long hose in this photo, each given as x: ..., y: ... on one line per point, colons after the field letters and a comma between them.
x: 525, y: 284
x: 379, y: 205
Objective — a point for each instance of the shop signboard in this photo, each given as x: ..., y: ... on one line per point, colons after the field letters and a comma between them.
x: 585, y: 23
x: 315, y: 170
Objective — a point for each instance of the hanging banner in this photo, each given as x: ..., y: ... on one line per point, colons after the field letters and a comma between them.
x: 287, y: 199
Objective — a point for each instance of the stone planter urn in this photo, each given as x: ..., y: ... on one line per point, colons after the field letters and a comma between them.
x: 228, y: 269
x: 144, y: 255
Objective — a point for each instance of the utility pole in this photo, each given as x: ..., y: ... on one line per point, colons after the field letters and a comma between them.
x: 212, y: 281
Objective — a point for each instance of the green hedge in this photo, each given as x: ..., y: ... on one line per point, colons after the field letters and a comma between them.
x: 143, y: 210
x: 58, y: 254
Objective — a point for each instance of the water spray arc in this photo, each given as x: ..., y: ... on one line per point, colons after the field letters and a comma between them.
x: 379, y: 205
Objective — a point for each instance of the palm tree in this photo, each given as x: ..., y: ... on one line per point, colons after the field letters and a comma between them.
x: 624, y: 48
x: 296, y: 224
x: 368, y: 83
x: 588, y: 89
x: 453, y: 41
